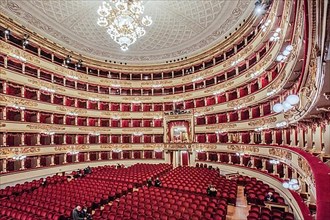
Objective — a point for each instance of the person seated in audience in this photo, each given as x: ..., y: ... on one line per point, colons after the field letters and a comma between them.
x: 270, y: 197
x: 158, y: 183
x: 44, y: 183
x: 211, y: 190
x: 149, y: 182
x: 78, y: 214
x: 118, y: 166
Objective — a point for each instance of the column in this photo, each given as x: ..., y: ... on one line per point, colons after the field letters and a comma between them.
x: 285, y: 170
x: 284, y: 139
x: 263, y: 164
x: 275, y: 169
x: 241, y: 160
x: 52, y: 139
x: 207, y: 156
x: 38, y: 139
x: 230, y: 159
x: 4, y: 113
x: 22, y: 139
x: 262, y: 134
x: 317, y: 139
x: 142, y: 156
x: 22, y: 115
x: 261, y: 108
x: 293, y: 137
x: 219, y: 157
x: 88, y: 157
x: 240, y: 138
x: 294, y: 174
x: 38, y: 95
x: 121, y: 156
x: 132, y: 154
x: 64, y: 159
x: 52, y: 160
x: 252, y: 162
x: 326, y: 139
x: 38, y: 161
x: 4, y: 165
x: 64, y: 139
x: 192, y: 158
x: 100, y: 155
x: 251, y: 137
x: 274, y: 137
x: 309, y: 138
x: 22, y: 165
x: 153, y: 155
x: 77, y: 158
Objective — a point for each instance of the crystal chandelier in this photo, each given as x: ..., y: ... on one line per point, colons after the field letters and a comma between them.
x: 124, y: 21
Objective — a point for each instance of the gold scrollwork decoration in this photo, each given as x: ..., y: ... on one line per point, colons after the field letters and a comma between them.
x: 243, y: 148
x: 221, y: 126
x: 46, y: 127
x: 282, y: 153
x: 240, y: 101
x: 262, y: 121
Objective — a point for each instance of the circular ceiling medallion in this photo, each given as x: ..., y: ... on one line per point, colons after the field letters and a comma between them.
x: 180, y: 28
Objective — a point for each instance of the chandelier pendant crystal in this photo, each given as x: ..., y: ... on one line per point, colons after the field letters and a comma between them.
x: 123, y: 20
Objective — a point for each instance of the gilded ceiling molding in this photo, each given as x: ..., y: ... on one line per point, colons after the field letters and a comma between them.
x: 211, y: 52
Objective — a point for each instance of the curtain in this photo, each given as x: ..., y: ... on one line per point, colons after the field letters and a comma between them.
x: 182, y: 135
x: 184, y: 158
x: 114, y: 107
x: 158, y: 107
x: 200, y: 120
x: 104, y: 106
x: 221, y: 98
x: 146, y: 107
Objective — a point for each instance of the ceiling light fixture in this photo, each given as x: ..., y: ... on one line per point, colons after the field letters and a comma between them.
x: 124, y: 21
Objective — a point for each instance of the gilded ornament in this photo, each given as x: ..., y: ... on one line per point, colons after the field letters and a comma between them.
x: 262, y: 121
x: 45, y: 127
x: 282, y: 153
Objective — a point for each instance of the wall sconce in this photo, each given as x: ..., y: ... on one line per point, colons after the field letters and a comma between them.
x: 19, y: 157
x: 285, y: 54
x: 291, y: 184
x: 288, y: 104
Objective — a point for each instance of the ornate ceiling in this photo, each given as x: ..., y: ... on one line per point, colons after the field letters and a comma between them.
x: 180, y: 28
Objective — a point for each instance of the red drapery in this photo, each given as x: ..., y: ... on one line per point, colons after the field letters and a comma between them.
x: 182, y: 136
x: 184, y: 158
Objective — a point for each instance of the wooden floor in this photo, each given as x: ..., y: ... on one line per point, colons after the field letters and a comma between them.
x: 241, y: 210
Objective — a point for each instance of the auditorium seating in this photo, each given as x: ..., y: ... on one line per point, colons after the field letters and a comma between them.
x: 57, y: 199
x: 164, y: 204
x: 18, y: 189
x: 196, y: 180
x: 256, y: 190
x: 264, y: 213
